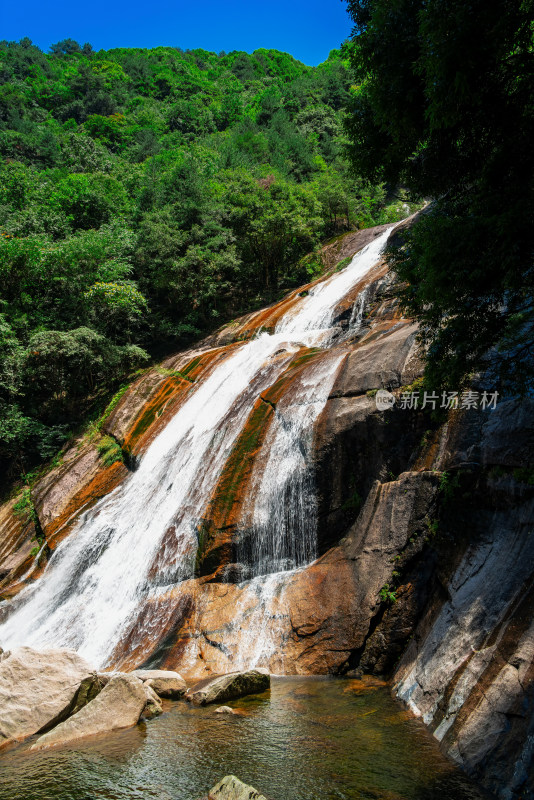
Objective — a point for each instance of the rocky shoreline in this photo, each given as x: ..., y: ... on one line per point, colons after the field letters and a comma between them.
x: 57, y: 696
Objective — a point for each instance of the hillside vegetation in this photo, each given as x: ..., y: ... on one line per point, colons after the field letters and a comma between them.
x: 444, y: 105
x: 147, y: 196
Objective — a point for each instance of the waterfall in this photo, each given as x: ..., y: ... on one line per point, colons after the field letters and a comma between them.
x: 356, y: 319
x: 142, y: 537
x: 281, y: 494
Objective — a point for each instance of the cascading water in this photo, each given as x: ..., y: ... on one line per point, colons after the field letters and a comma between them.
x: 111, y: 563
x: 281, y: 495
x: 356, y: 319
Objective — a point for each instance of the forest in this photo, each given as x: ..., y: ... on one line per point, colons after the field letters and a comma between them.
x: 146, y: 198
x: 444, y: 105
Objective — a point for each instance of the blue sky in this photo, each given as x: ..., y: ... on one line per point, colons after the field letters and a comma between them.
x: 308, y: 29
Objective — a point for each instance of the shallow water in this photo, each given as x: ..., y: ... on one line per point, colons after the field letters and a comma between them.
x: 309, y: 739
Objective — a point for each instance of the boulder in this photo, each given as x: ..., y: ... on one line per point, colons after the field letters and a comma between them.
x: 164, y: 682
x: 119, y: 705
x: 228, y: 687
x: 225, y: 710
x: 39, y: 689
x: 231, y: 788
x: 153, y: 707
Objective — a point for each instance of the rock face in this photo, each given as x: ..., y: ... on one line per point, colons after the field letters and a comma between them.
x: 229, y: 687
x: 17, y: 541
x: 58, y: 497
x: 39, y: 689
x: 119, y: 705
x: 469, y: 669
x: 231, y: 788
x: 425, y: 567
x: 317, y: 619
x: 164, y: 682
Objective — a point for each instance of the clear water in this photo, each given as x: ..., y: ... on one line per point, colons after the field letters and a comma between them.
x: 309, y: 739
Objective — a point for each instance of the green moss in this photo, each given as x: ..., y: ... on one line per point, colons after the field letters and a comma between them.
x: 25, y: 510
x: 174, y: 373
x: 233, y: 474
x: 95, y: 426
x: 448, y: 486
x: 343, y: 263
x: 152, y: 411
x: 109, y: 451
x: 191, y: 367
x: 524, y: 475
x: 416, y: 386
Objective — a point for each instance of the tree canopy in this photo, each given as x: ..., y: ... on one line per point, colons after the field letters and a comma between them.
x: 146, y: 197
x: 443, y: 103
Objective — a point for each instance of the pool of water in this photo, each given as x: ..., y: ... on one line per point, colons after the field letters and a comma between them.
x: 308, y: 739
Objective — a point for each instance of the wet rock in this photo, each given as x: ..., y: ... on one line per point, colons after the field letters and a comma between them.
x: 225, y: 710
x: 231, y: 788
x: 355, y: 444
x: 318, y: 618
x: 119, y: 705
x: 348, y: 245
x: 383, y: 362
x: 75, y: 485
x: 153, y: 707
x: 17, y: 541
x: 468, y: 671
x: 39, y: 689
x: 60, y: 495
x: 164, y: 682
x: 228, y: 687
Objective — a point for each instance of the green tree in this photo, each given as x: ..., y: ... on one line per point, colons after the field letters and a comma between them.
x: 64, y: 365
x: 443, y: 104
x: 275, y: 222
x: 118, y: 308
x: 146, y: 196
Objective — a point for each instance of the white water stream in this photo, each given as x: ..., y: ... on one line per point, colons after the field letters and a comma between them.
x: 142, y: 536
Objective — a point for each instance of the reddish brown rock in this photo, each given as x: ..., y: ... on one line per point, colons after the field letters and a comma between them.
x: 74, y: 486
x: 316, y: 618
x: 17, y: 541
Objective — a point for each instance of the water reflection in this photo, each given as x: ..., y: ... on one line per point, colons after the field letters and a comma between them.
x: 310, y: 739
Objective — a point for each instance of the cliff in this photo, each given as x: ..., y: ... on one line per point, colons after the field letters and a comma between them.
x: 423, y: 559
